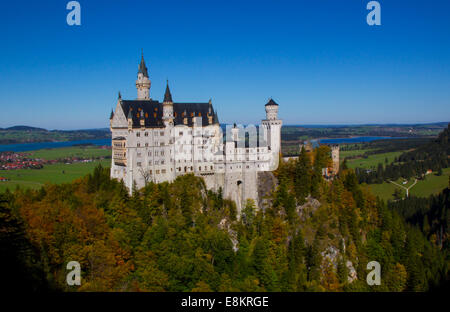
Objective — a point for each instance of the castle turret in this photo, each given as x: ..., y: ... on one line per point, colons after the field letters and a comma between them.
x: 130, y: 120
x: 168, y: 107
x: 272, y: 128
x: 143, y: 82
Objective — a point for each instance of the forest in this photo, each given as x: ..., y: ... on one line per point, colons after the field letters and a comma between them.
x: 433, y: 155
x: 313, y: 235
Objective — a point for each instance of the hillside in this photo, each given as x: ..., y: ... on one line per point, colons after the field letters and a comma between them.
x: 312, y: 235
x: 417, y: 163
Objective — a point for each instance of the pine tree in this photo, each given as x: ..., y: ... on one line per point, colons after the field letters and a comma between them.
x: 302, y: 176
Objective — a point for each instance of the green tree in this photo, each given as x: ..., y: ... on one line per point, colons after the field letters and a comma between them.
x: 303, y: 176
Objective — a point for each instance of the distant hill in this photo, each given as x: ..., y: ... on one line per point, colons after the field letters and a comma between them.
x: 25, y: 128
x: 25, y: 134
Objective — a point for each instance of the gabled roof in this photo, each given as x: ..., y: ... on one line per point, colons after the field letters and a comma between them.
x: 152, y: 111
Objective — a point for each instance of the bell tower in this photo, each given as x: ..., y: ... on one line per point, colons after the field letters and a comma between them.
x: 143, y: 82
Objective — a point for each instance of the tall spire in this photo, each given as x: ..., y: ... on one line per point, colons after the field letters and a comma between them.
x: 167, y: 94
x: 142, y: 67
x: 143, y: 83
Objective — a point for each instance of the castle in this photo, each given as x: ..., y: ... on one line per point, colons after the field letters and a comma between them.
x: 154, y: 141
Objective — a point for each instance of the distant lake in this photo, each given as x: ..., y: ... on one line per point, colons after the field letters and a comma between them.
x: 361, y: 139
x: 24, y: 147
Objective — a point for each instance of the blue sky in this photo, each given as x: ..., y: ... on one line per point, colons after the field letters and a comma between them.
x: 318, y: 59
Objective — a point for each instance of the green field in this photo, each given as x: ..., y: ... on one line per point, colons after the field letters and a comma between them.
x: 432, y: 184
x: 373, y: 160
x: 351, y: 153
x: 35, y: 178
x: 73, y: 151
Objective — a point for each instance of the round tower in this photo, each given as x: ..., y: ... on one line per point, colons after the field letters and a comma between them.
x: 271, y: 110
x: 143, y: 82
x: 335, y: 158
x: 272, y: 131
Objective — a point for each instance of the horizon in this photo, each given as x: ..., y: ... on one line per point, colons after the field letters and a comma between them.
x: 322, y: 63
x: 287, y: 125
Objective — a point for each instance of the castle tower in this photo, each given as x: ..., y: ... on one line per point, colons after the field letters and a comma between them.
x: 143, y: 82
x: 335, y: 158
x: 168, y: 107
x: 272, y: 127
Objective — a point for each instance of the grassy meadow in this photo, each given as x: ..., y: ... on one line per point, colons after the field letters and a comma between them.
x: 432, y: 184
x: 373, y: 160
x: 55, y: 173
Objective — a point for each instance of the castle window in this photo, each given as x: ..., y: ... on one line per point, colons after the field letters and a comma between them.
x: 211, y: 167
x: 154, y: 115
x: 192, y: 114
x: 138, y: 134
x: 163, y: 171
x: 150, y: 153
x: 161, y: 133
x: 151, y: 172
x: 146, y: 144
x: 181, y: 133
x: 162, y: 162
x: 146, y: 134
x: 157, y: 171
x: 150, y: 163
x: 162, y: 153
x: 139, y: 164
x: 139, y: 145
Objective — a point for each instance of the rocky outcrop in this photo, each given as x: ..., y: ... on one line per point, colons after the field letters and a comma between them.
x: 267, y: 183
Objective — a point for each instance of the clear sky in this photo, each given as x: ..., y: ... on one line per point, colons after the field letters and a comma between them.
x: 318, y: 59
